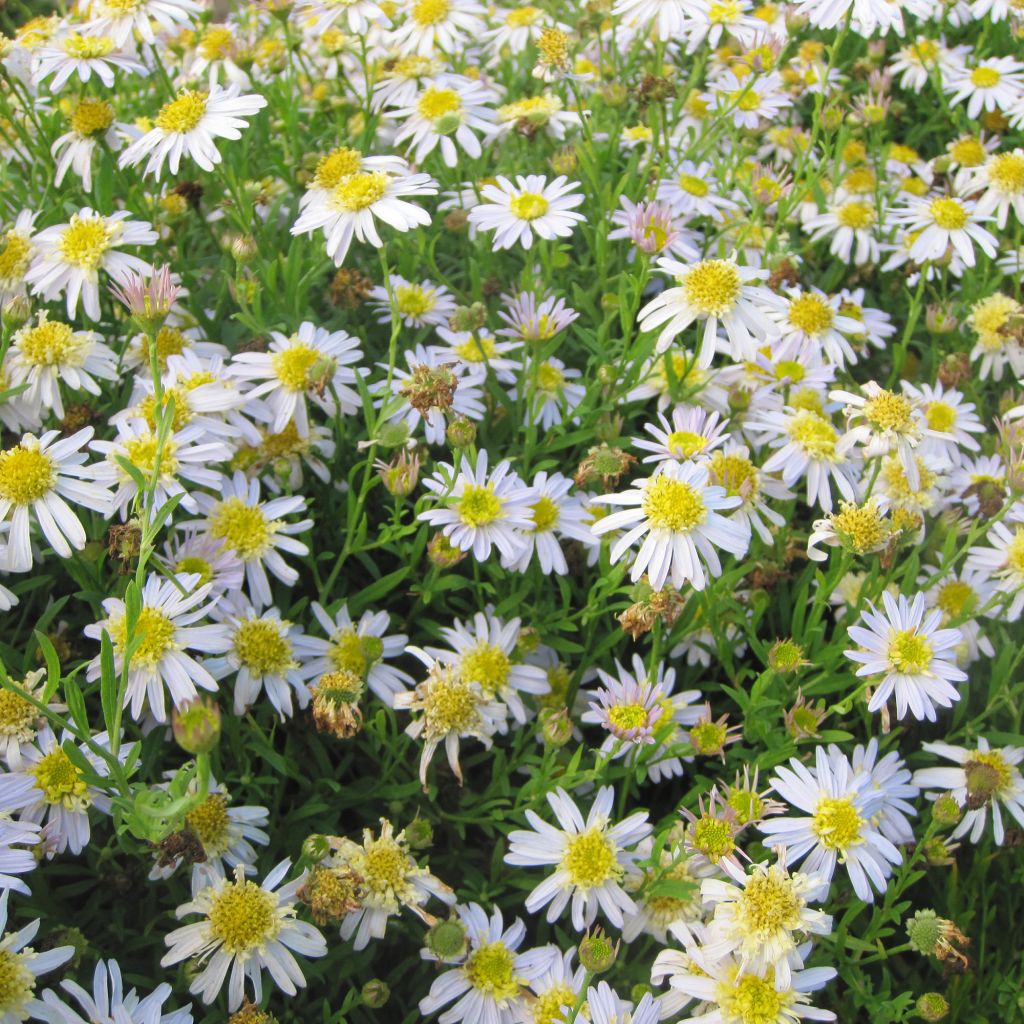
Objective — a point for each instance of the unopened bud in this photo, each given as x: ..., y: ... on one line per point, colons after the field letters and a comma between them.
x: 468, y: 318
x: 946, y: 811
x: 375, y: 994
x: 939, y: 318
x: 196, y: 725
x: 933, y: 1006
x: 443, y: 553
x: 446, y: 940
x: 315, y: 848
x: 556, y: 726
x: 243, y: 248
x: 419, y: 834
x: 786, y: 656
x: 16, y: 311
x: 597, y: 951
x: 461, y: 432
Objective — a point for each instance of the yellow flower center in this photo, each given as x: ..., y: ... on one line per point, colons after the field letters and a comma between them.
x: 450, y: 706
x: 814, y: 434
x: 628, y: 716
x: 84, y: 241
x: 26, y: 475
x: 712, y: 287
x: 1006, y: 172
x: 997, y: 774
x: 16, y: 256
x: 522, y: 16
x: 429, y: 12
x: 142, y: 451
x: 336, y: 165
x: 92, y: 116
x: 751, y: 1000
x: 243, y: 528
x: 589, y: 859
x: 955, y: 598
x: 769, y: 902
x: 414, y: 300
x: 347, y: 653
x: 940, y: 416
x: 479, y: 506
x: 709, y: 738
x: 550, y: 378
x: 673, y: 505
x: 810, y: 314
x: 476, y: 350
x: 737, y: 474
x: 909, y: 652
x: 837, y: 824
x: 183, y: 113
x: 948, y: 213
x: 358, y: 191
x: 491, y: 968
x: 889, y: 411
x: 528, y: 205
x: 685, y: 443
x: 182, y: 411
x: 1015, y: 551
x: 990, y: 315
x: 693, y: 185
x: 724, y: 12
x: 243, y: 917
x: 545, y: 515
x: 50, y: 343
x: 169, y: 342
x: 384, y: 867
x: 713, y: 838
x: 18, y: 985
x: 435, y: 103
x: 292, y: 366
x: 985, y: 78
x: 968, y: 152
x: 60, y: 781
x: 263, y: 647
x: 860, y: 181
x: 547, y: 1008
x: 210, y: 823
x: 487, y: 665
x: 856, y: 214
x: 864, y: 528
x: 216, y: 43
x: 156, y: 630
x: 87, y: 47
x: 17, y: 716
x: 196, y: 565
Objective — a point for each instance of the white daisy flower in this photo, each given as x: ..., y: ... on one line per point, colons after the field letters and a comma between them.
x: 451, y: 109
x: 419, y: 304
x: 891, y: 777
x: 68, y: 257
x: 677, y: 513
x: 489, y: 983
x: 16, y: 253
x: 110, y: 1004
x: 557, y: 516
x: 255, y: 531
x: 938, y: 221
x: 389, y: 879
x: 480, y: 510
x: 911, y: 653
x: 556, y: 987
x: 38, y: 477
x: 313, y: 363
x: 48, y: 353
x: 226, y: 834
x: 732, y: 468
x: 188, y: 125
x: 178, y: 458
x: 670, y: 18
x: 693, y: 192
x: 694, y: 434
x: 547, y: 388
x: 49, y: 790
x: 22, y: 968
x: 815, y: 322
x: 761, y: 917
x: 484, y: 653
x: 82, y: 56
x: 433, y: 26
x: 1002, y: 560
x: 246, y: 927
x: 987, y: 778
x: 348, y: 210
x: 266, y: 654
x: 1002, y: 179
x: 605, y: 1007
x: 719, y: 292
x: 850, y: 222
x: 193, y: 552
x: 358, y: 16
x: 123, y: 20
x: 996, y: 83
x: 91, y: 122
x: 480, y: 351
x: 165, y: 630
x: 591, y: 857
x: 838, y: 804
x: 13, y: 862
x: 514, y: 212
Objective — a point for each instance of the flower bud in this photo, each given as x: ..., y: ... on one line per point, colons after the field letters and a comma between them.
x: 946, y: 811
x: 446, y: 940
x: 468, y: 318
x: 597, y: 951
x: 443, y: 553
x: 196, y: 725
x: 933, y: 1006
x: 419, y: 834
x: 375, y: 994
x: 556, y: 726
x: 786, y: 656
x: 461, y: 432
x: 315, y: 848
x: 243, y: 248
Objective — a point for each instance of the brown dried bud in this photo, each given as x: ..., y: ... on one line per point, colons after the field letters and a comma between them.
x: 954, y: 370
x: 336, y: 703
x: 349, y: 288
x: 331, y: 893
x: 603, y: 463
x: 430, y: 387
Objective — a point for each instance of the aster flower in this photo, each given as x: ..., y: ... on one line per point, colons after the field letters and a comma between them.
x: 677, y: 513
x: 90, y: 122
x: 38, y: 477
x: 591, y: 857
x: 693, y: 434
x: 67, y: 258
x: 514, y: 212
x: 22, y: 968
x: 986, y: 779
x: 13, y: 862
x: 939, y: 221
x: 419, y: 304
x: 122, y: 21
x: 246, y: 927
x: 82, y: 56
x: 188, y: 125
x: 715, y: 292
x: 1002, y: 560
x: 432, y: 26
x: 480, y: 510
x: 837, y: 826
x: 389, y: 879
x: 165, y: 630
